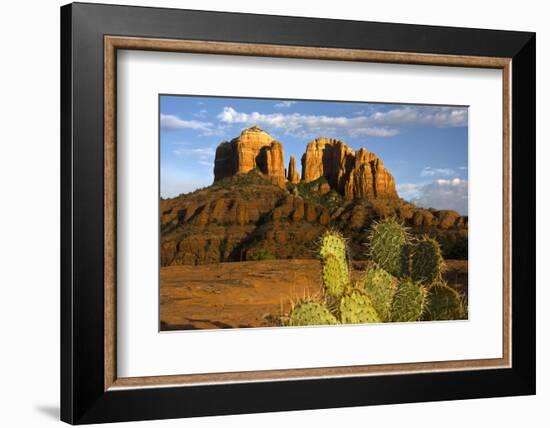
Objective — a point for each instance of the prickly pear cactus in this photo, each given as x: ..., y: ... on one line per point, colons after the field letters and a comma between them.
x: 311, y: 313
x: 336, y: 275
x: 388, y: 247
x: 426, y: 261
x: 409, y: 301
x: 357, y: 308
x: 443, y: 303
x: 380, y: 287
x: 333, y: 244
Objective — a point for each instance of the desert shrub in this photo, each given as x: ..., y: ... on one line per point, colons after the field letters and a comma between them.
x: 261, y: 255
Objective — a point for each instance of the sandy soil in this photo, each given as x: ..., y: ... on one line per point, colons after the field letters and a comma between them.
x: 247, y: 294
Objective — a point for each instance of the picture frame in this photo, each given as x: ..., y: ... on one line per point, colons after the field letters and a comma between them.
x: 91, y: 35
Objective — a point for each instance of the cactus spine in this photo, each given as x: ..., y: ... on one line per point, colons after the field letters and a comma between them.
x: 444, y: 303
x: 388, y: 247
x: 311, y: 313
x: 409, y: 301
x: 357, y: 308
x: 380, y: 287
x: 426, y: 261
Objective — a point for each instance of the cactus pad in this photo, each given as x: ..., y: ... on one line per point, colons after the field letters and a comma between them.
x: 381, y: 287
x: 443, y: 303
x: 388, y: 247
x: 336, y: 277
x: 333, y: 244
x: 357, y: 308
x: 426, y: 261
x: 409, y: 301
x: 311, y: 313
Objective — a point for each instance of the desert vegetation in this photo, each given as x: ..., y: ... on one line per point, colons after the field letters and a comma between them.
x: 402, y: 283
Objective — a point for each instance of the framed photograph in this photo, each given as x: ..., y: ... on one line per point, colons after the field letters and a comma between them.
x: 265, y: 213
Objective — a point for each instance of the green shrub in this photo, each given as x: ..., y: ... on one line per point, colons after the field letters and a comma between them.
x: 262, y: 255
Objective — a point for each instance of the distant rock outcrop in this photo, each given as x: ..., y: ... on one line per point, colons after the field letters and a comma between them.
x: 358, y: 174
x: 293, y: 175
x: 254, y: 148
x: 353, y: 175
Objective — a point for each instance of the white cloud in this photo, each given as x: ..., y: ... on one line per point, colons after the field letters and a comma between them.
x: 431, y: 172
x: 408, y: 191
x: 284, y: 104
x: 439, y: 117
x: 170, y: 122
x: 377, y: 124
x: 201, y: 113
x: 450, y: 194
x: 305, y: 125
x: 462, y: 168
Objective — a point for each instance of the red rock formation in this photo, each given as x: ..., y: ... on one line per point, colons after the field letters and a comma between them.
x: 326, y: 157
x: 354, y: 175
x: 254, y: 148
x: 271, y: 162
x: 293, y: 176
x: 224, y: 163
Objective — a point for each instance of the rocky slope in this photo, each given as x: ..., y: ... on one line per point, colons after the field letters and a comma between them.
x: 254, y: 211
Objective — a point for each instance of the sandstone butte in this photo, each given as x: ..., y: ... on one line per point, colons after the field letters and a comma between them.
x: 254, y: 148
x: 359, y: 174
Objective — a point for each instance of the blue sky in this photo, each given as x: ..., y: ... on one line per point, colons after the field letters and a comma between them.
x: 424, y: 147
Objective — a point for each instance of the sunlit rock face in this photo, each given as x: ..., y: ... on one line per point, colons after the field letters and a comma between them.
x: 358, y: 174
x: 254, y: 148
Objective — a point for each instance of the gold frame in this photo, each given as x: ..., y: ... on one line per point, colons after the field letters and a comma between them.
x: 113, y: 43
